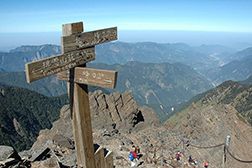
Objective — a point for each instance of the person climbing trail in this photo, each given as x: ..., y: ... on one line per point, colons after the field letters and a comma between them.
x: 206, y: 164
x: 178, y: 156
x: 133, y: 156
x: 190, y: 159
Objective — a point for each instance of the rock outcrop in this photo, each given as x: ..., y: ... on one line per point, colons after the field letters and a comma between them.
x: 114, y: 118
x: 8, y: 156
x: 119, y: 111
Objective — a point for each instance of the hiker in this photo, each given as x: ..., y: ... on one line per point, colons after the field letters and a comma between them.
x: 137, y: 150
x: 190, y: 159
x: 193, y: 161
x: 178, y: 156
x: 206, y: 164
x: 133, y: 156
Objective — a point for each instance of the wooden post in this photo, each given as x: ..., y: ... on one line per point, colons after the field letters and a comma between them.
x: 81, y: 120
x: 82, y: 126
x: 99, y: 158
x: 109, y: 160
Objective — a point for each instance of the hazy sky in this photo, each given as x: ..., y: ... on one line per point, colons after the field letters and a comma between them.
x: 26, y: 16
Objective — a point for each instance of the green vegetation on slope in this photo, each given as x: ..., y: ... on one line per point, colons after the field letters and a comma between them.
x: 24, y: 113
x: 233, y: 93
x: 48, y: 86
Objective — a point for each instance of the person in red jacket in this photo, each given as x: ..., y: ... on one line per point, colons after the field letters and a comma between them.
x: 206, y: 164
x: 178, y: 156
x: 134, y: 153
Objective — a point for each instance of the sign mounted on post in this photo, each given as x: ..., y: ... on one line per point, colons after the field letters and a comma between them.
x: 55, y: 64
x: 88, y: 39
x: 95, y: 77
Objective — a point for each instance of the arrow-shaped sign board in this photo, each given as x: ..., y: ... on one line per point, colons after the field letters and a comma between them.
x: 55, y: 64
x: 88, y: 76
x: 87, y: 39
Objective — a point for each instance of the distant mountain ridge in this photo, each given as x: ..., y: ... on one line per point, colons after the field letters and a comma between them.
x: 121, y: 53
x: 235, y: 70
x: 204, y: 58
x: 48, y: 48
x: 214, y: 49
x: 242, y: 55
x: 150, y: 52
x: 17, y: 58
x: 247, y: 81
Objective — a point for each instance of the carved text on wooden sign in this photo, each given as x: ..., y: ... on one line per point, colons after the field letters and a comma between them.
x: 55, y: 64
x: 87, y: 39
x: 88, y: 76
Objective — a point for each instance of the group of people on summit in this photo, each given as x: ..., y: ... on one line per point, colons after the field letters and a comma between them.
x: 190, y: 160
x: 134, y: 156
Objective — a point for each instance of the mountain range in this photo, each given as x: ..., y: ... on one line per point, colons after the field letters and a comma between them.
x: 118, y: 122
x: 203, y: 58
x: 154, y: 81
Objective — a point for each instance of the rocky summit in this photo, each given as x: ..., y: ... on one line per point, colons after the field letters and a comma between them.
x: 118, y: 123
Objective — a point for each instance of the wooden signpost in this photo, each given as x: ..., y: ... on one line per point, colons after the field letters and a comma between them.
x: 77, y: 50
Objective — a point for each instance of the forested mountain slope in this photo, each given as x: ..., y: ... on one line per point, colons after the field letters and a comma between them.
x: 24, y: 113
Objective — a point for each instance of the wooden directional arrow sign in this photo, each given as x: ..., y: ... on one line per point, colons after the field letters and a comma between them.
x: 87, y: 39
x: 55, y: 64
x: 95, y: 77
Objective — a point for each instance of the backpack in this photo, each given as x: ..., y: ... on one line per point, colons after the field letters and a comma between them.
x: 131, y: 156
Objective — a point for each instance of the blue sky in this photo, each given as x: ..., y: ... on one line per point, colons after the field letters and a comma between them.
x: 26, y: 16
